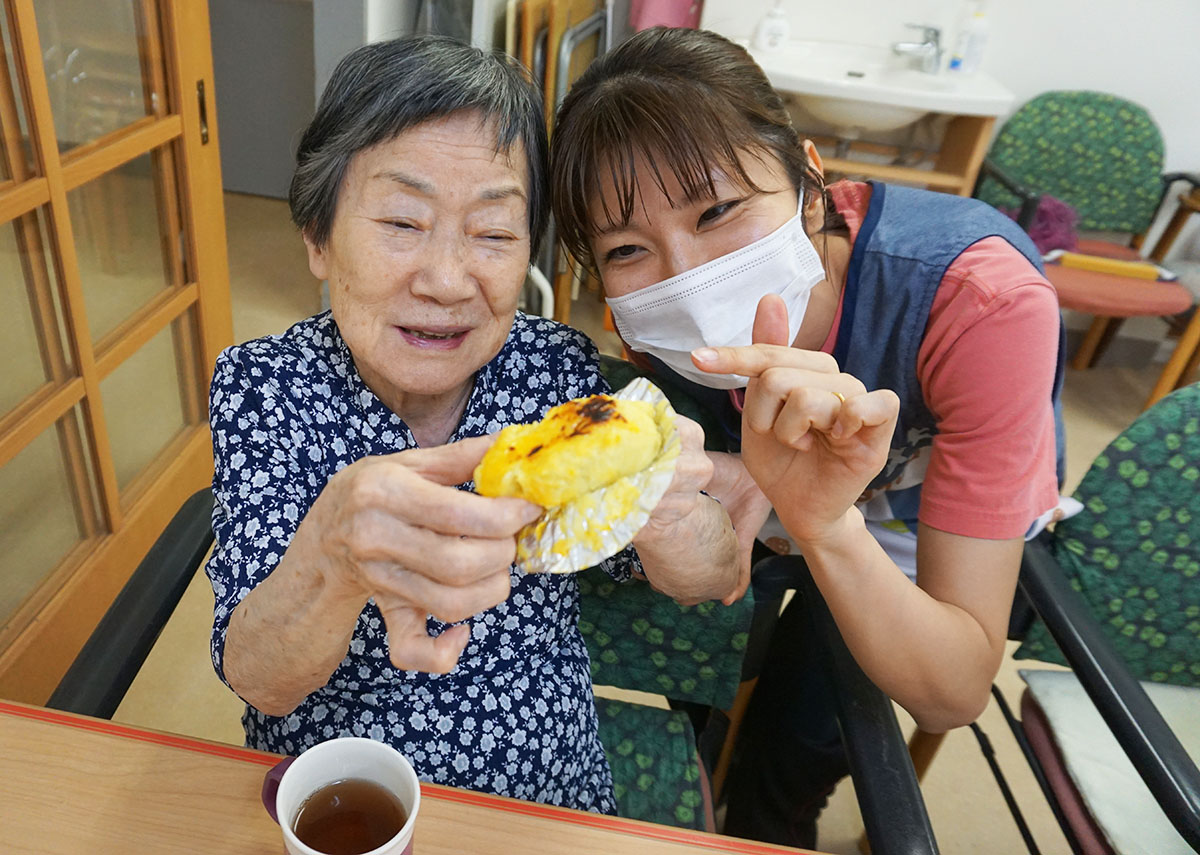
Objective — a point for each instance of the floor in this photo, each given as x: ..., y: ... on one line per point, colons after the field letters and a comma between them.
x: 177, y: 691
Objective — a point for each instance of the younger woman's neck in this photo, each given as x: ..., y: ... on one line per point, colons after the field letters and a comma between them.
x: 822, y: 310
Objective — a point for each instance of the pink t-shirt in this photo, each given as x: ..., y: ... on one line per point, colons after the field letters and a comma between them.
x: 986, y: 368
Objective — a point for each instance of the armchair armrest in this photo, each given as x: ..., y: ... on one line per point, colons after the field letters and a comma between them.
x: 1192, y: 178
x: 1168, y: 179
x: 889, y: 796
x: 1136, y: 723
x: 104, y: 669
x: 1029, y: 198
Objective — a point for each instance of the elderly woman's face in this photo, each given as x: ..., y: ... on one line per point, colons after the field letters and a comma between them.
x: 429, y: 248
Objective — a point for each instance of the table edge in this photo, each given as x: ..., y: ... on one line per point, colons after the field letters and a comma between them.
x: 634, y: 827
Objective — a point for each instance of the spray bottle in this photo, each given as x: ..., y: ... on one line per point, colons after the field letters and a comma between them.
x: 772, y: 31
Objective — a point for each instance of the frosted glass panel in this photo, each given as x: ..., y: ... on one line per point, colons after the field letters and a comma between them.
x: 14, y: 93
x: 25, y: 274
x: 119, y: 236
x: 94, y: 54
x: 39, y: 519
x: 144, y: 402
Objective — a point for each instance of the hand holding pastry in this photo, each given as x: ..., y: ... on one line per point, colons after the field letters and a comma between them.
x: 598, y: 465
x: 693, y: 470
x: 394, y: 528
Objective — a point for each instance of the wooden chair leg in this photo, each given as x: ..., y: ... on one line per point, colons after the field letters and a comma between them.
x: 1093, y: 344
x: 562, y: 296
x: 922, y: 748
x: 1110, y: 332
x: 1184, y: 360
x: 1174, y: 227
x: 735, y: 713
x: 1189, y: 369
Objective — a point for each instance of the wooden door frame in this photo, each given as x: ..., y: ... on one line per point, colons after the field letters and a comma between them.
x: 39, y: 641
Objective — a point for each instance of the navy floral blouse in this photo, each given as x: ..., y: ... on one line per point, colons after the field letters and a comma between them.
x: 516, y: 716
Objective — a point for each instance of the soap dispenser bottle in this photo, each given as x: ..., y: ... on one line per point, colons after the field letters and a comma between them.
x: 772, y: 31
x: 972, y: 38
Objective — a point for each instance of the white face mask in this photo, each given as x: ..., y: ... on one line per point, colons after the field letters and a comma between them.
x: 714, y: 305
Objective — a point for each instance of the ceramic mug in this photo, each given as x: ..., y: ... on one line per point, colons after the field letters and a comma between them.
x: 293, y: 780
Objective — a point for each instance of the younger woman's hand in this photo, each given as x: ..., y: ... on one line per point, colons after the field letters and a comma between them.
x: 812, y: 437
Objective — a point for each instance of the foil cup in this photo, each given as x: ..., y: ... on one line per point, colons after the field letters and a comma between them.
x: 597, y: 525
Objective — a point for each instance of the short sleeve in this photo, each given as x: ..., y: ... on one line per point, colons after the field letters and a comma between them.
x: 266, y: 477
x: 987, y: 368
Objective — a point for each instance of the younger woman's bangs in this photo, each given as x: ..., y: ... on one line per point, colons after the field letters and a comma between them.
x: 673, y: 126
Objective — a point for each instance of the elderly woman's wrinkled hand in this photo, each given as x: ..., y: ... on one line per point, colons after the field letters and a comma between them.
x: 812, y: 437
x: 688, y: 548
x: 747, y: 507
x: 395, y: 529
x: 693, y: 469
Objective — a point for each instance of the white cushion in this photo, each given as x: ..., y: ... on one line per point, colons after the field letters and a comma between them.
x: 1115, y: 795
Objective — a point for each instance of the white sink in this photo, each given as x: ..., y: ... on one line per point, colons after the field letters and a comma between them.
x: 867, y: 88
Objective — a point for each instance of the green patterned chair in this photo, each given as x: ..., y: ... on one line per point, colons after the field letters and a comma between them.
x: 1134, y: 550
x: 1117, y: 588
x: 1103, y: 156
x: 641, y: 640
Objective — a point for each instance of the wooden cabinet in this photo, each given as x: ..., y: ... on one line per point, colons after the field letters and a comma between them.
x: 951, y: 169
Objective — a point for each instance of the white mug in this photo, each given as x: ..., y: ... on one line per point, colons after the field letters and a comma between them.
x: 289, y: 784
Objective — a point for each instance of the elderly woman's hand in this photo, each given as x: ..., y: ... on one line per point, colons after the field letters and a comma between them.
x: 747, y: 507
x: 395, y: 529
x: 693, y: 469
x: 812, y: 437
x: 688, y: 548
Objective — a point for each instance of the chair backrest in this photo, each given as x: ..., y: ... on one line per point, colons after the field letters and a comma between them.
x: 1101, y: 154
x: 1134, y: 551
x: 640, y: 639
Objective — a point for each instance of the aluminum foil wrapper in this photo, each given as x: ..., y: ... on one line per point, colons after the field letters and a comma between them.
x: 582, y: 533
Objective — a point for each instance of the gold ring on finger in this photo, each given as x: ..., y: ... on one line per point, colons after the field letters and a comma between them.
x: 840, y: 397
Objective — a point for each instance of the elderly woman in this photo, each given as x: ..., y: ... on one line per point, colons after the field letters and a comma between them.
x: 358, y: 590
x: 885, y: 359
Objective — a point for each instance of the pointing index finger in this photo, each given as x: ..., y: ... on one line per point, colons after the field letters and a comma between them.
x: 753, y: 360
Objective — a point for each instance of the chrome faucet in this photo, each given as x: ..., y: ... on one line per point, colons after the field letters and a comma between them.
x: 929, y: 49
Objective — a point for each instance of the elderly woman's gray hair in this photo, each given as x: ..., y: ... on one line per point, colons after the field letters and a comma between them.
x: 380, y: 90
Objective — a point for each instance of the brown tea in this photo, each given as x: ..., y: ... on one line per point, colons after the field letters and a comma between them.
x: 349, y: 817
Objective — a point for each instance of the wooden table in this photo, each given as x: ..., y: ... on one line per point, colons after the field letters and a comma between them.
x: 73, y: 785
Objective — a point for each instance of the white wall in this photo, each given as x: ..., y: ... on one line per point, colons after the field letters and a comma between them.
x: 263, y: 68
x: 1145, y: 52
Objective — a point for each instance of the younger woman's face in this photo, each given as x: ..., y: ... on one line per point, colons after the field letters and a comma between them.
x: 668, y: 234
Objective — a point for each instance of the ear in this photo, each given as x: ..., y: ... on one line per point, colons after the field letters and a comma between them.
x: 814, y: 208
x: 318, y: 258
x: 814, y: 157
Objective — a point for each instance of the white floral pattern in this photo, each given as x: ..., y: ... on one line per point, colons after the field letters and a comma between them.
x: 516, y: 716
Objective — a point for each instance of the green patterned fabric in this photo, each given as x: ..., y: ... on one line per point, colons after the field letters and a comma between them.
x: 1134, y: 551
x: 656, y: 773
x: 1100, y: 154
x: 643, y: 640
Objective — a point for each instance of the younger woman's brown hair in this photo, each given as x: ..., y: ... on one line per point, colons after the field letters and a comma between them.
x: 689, y: 101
